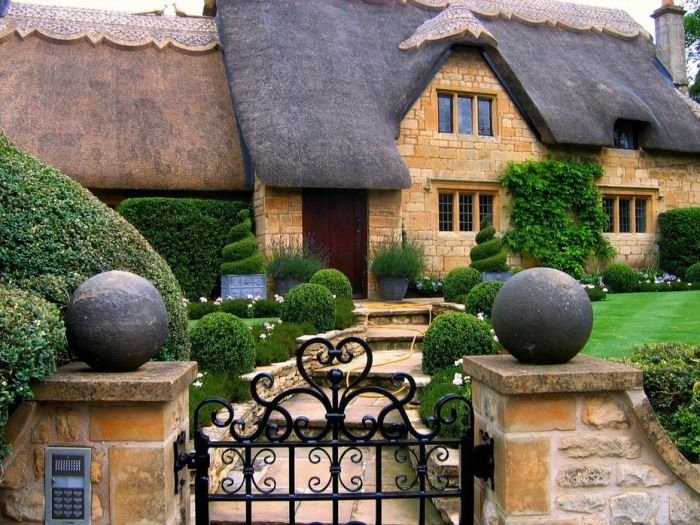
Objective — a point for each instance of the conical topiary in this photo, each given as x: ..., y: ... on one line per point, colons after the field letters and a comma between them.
x: 241, y: 256
x: 488, y: 255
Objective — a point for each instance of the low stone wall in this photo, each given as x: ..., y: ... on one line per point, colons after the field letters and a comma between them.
x: 577, y: 444
x: 129, y: 420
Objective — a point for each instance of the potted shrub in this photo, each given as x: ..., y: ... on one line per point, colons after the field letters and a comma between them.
x: 242, y: 269
x: 395, y: 263
x: 291, y: 263
x: 489, y: 256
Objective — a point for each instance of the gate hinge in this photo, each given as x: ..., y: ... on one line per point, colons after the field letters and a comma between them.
x: 482, y: 457
x: 182, y: 459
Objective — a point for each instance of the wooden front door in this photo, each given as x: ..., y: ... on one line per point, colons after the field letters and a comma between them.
x: 336, y: 220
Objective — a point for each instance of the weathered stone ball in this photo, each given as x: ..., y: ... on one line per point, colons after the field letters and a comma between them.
x: 542, y: 316
x: 116, y: 321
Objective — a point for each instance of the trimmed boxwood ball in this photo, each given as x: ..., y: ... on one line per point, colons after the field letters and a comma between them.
x: 221, y: 342
x: 542, y: 316
x: 311, y: 303
x: 335, y: 281
x: 116, y: 321
x: 453, y: 335
x: 460, y: 281
x: 692, y: 274
x: 619, y: 277
x: 480, y: 299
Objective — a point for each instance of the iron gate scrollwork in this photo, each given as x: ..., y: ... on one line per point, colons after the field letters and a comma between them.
x: 278, y: 439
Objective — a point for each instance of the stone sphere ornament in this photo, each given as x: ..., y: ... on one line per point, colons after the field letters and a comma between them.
x: 116, y: 321
x: 542, y: 316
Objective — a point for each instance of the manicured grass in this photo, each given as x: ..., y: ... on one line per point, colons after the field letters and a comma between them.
x: 249, y: 322
x: 626, y: 320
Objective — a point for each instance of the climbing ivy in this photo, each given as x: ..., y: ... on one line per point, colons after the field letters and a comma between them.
x: 555, y: 213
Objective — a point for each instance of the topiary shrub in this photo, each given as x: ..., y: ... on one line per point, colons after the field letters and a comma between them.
x: 619, y: 277
x: 671, y: 373
x: 32, y: 340
x: 241, y: 256
x: 488, y: 255
x: 188, y: 234
x: 679, y: 246
x: 460, y: 281
x: 453, y: 335
x: 311, y: 303
x: 692, y: 274
x: 222, y: 342
x: 335, y: 281
x: 480, y: 299
x: 51, y: 226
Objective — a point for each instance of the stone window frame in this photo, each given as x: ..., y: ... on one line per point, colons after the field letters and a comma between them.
x: 475, y: 95
x: 475, y: 190
x: 612, y: 197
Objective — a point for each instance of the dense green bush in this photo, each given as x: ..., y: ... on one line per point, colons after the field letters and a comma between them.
x: 459, y: 282
x: 480, y: 299
x: 245, y: 308
x: 188, y: 233
x: 241, y: 256
x: 32, y: 340
x: 619, y: 277
x: 228, y: 385
x: 310, y: 303
x: 692, y: 274
x: 556, y: 213
x: 53, y: 227
x: 222, y: 342
x: 679, y: 246
x: 453, y: 335
x: 276, y: 342
x: 441, y: 384
x: 398, y: 259
x: 335, y: 281
x: 671, y: 373
x: 197, y: 310
x: 488, y: 255
x: 344, y: 313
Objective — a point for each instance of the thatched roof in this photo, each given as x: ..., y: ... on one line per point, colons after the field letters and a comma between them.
x: 320, y: 86
x: 120, y: 102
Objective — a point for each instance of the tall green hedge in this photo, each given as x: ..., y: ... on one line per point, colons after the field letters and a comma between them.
x: 679, y: 247
x: 54, y: 234
x: 188, y: 233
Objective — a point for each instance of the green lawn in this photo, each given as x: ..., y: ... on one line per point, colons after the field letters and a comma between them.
x: 249, y: 322
x: 626, y: 320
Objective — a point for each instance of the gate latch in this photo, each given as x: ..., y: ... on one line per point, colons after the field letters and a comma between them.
x: 181, y: 461
x: 482, y: 457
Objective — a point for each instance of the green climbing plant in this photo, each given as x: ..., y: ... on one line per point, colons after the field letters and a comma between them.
x: 555, y: 213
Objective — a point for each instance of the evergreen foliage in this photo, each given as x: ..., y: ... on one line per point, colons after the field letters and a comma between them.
x: 241, y: 256
x: 488, y: 255
x: 221, y: 342
x: 459, y: 282
x: 680, y: 242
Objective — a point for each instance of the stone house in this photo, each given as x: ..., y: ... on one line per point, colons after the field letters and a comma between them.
x: 352, y: 120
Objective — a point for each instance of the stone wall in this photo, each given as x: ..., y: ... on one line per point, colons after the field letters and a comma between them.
x: 130, y: 421
x: 577, y: 444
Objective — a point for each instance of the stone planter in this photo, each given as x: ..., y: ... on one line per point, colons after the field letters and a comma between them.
x: 284, y: 284
x: 241, y: 286
x: 392, y: 288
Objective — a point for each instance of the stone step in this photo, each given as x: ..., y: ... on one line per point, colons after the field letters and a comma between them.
x: 380, y: 314
x: 396, y: 337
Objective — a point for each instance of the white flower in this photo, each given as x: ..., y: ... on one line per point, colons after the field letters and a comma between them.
x: 185, y: 300
x: 480, y: 316
x: 200, y: 375
x: 257, y: 298
x: 202, y: 299
x: 249, y: 297
x: 606, y: 290
x: 250, y: 305
x: 263, y: 336
x: 197, y: 384
x: 690, y: 284
x: 269, y: 327
x: 495, y: 338
x: 458, y: 380
x: 459, y: 362
x: 37, y: 322
x: 279, y: 298
x: 229, y: 298
x: 492, y: 331
x: 334, y: 297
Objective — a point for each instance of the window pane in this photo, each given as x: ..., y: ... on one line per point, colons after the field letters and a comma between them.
x: 466, y: 212
x: 485, y: 127
x: 445, y: 113
x: 609, y: 209
x: 625, y: 135
x: 464, y: 108
x: 625, y: 222
x: 485, y: 209
x: 640, y: 215
x: 445, y: 212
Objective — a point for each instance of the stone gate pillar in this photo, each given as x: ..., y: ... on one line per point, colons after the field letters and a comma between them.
x: 576, y: 444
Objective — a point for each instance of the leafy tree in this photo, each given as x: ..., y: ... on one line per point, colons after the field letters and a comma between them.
x: 692, y: 42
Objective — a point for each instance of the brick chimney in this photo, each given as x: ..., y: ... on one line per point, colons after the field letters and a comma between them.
x: 670, y: 41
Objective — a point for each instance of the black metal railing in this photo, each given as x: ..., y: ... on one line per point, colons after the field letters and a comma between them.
x: 263, y: 458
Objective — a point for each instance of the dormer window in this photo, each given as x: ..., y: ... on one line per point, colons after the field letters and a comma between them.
x: 465, y: 114
x: 626, y: 135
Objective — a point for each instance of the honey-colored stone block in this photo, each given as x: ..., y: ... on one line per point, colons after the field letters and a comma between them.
x: 522, y: 476
x: 603, y: 412
x: 16, y: 471
x: 537, y: 413
x: 124, y: 423
x: 69, y: 425
x: 137, y: 486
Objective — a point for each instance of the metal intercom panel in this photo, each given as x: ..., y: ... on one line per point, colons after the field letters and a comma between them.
x: 67, y: 486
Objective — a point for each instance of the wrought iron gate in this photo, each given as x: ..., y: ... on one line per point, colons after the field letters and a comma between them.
x: 253, y: 449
